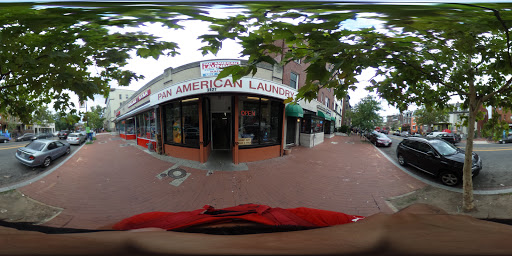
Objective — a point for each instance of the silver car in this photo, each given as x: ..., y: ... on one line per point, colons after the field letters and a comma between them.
x: 42, y: 152
x: 76, y: 138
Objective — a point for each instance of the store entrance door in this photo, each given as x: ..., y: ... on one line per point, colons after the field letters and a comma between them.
x: 291, y: 122
x: 221, y: 131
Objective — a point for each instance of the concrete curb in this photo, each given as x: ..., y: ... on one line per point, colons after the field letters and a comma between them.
x: 38, y: 177
x: 437, y: 185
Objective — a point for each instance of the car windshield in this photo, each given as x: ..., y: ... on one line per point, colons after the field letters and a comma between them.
x: 36, y: 145
x: 443, y: 147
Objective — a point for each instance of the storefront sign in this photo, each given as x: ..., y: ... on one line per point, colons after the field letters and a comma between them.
x: 226, y: 85
x: 244, y: 141
x: 247, y: 113
x: 118, y: 113
x: 213, y: 68
x: 324, y: 109
x: 140, y: 97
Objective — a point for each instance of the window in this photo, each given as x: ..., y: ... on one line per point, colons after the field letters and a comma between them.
x: 323, y: 98
x: 294, y: 80
x: 297, y: 61
x: 327, y: 102
x: 312, y: 124
x: 130, y: 126
x: 126, y: 96
x: 182, y: 123
x: 146, y: 125
x: 120, y: 96
x: 259, y: 121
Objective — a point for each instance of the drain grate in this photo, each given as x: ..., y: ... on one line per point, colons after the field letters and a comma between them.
x: 177, y: 173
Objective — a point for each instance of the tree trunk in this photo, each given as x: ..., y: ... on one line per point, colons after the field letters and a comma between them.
x: 467, y: 179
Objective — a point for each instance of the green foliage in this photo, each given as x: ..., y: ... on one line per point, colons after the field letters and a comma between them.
x: 344, y: 129
x: 95, y: 117
x: 494, y: 127
x: 42, y: 116
x: 47, y: 52
x: 424, y: 116
x: 365, y: 114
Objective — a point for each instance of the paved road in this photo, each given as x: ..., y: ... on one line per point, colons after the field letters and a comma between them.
x: 12, y: 171
x: 496, y: 172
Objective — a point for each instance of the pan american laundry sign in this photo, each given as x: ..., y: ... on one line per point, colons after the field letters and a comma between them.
x: 226, y: 85
x: 213, y: 68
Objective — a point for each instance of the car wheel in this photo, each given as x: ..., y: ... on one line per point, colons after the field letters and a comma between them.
x: 5, y: 141
x: 47, y: 161
x: 401, y: 160
x: 449, y: 178
x: 68, y: 150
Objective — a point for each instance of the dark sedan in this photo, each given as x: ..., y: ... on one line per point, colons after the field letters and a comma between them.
x: 26, y: 136
x: 380, y: 139
x: 41, y: 136
x: 436, y: 157
x: 4, y: 139
x: 42, y: 152
x: 506, y: 140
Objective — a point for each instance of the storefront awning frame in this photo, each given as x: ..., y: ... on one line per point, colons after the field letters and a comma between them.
x: 294, y: 110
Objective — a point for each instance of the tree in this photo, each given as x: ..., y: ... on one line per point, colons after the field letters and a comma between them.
x: 421, y: 54
x: 365, y: 114
x: 95, y: 117
x: 47, y: 52
x: 495, y: 127
x: 424, y: 116
x: 65, y: 121
x: 42, y: 116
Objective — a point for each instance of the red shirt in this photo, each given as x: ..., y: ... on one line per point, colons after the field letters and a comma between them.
x: 255, y: 213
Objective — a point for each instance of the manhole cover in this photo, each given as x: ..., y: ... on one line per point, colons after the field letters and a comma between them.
x: 163, y: 175
x: 177, y: 173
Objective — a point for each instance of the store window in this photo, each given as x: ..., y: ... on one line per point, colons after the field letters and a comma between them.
x: 120, y: 96
x: 146, y: 125
x: 294, y: 80
x: 130, y: 126
x: 312, y: 124
x: 182, y: 123
x: 206, y: 121
x: 260, y: 121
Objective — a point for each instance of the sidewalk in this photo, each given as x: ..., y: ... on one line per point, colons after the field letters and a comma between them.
x: 110, y: 180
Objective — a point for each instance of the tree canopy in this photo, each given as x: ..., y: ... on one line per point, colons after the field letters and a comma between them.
x: 365, y: 114
x: 424, y: 116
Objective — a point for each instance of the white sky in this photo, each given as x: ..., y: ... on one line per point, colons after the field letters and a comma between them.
x: 189, y: 52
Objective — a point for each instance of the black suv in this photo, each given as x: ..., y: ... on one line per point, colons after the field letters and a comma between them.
x: 436, y: 157
x: 450, y: 137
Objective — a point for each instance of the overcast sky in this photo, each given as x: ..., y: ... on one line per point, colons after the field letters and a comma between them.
x: 189, y: 45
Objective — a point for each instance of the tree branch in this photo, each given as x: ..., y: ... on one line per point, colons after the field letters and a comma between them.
x: 503, y: 89
x: 498, y: 16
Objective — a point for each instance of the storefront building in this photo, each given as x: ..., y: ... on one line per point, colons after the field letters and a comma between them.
x: 187, y: 113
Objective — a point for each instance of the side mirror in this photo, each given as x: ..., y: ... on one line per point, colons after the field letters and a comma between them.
x: 430, y: 153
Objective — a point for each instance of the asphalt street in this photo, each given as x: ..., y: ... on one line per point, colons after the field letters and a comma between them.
x: 12, y: 171
x: 496, y: 172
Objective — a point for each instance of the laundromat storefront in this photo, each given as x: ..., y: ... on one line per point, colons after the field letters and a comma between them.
x: 243, y: 118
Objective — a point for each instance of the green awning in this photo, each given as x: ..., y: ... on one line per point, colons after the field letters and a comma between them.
x: 294, y: 110
x: 333, y: 118
x: 320, y: 114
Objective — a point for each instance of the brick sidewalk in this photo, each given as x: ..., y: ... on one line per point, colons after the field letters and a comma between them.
x: 108, y: 180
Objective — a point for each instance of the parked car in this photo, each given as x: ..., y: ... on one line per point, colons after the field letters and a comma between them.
x: 41, y: 136
x: 42, y: 152
x: 63, y: 134
x: 384, y: 132
x: 4, y: 139
x: 397, y: 133
x: 26, y: 136
x: 450, y: 137
x: 436, y: 157
x: 76, y: 138
x: 506, y: 140
x: 435, y: 134
x: 404, y: 134
x: 380, y: 139
x: 55, y: 134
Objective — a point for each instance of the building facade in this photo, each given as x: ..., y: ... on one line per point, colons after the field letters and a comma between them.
x: 114, y: 101
x: 186, y: 113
